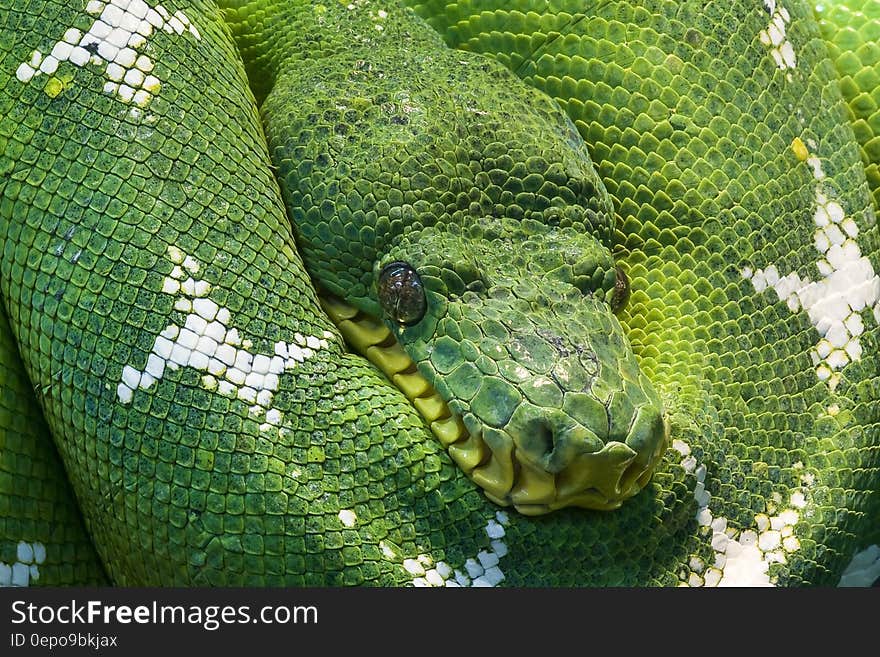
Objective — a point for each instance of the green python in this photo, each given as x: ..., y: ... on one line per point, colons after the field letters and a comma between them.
x: 380, y: 293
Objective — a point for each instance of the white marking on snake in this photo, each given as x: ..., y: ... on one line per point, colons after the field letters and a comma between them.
x: 25, y: 569
x: 120, y: 30
x: 864, y: 569
x: 742, y: 557
x: 206, y: 343
x: 848, y: 285
x: 775, y: 38
x: 347, y: 518
x: 480, y: 571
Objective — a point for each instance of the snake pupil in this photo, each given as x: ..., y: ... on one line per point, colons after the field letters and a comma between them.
x: 620, y: 295
x: 401, y: 293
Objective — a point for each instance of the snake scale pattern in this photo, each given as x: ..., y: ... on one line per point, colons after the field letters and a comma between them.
x: 521, y: 293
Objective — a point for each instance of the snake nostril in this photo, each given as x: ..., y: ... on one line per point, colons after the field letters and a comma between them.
x: 545, y: 438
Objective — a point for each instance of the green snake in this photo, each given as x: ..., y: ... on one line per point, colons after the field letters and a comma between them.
x: 521, y: 293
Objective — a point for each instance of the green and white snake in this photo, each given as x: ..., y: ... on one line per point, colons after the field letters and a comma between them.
x: 521, y: 292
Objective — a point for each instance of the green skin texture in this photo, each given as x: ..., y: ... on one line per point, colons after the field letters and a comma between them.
x: 690, y: 130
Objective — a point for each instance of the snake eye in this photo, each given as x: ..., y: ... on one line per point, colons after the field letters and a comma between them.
x: 620, y: 295
x: 402, y: 294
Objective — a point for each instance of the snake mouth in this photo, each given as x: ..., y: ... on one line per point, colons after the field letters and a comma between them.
x: 504, y: 463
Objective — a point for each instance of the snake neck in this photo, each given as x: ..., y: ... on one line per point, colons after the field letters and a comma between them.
x: 310, y: 31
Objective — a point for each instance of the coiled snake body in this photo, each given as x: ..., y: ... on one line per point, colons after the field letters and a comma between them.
x: 614, y: 267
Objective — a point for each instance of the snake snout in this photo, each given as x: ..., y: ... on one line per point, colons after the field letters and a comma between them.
x: 558, y: 461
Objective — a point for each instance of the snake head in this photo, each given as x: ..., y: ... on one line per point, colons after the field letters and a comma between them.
x: 443, y: 197
x: 512, y: 323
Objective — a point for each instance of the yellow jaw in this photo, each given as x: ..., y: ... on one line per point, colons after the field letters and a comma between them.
x: 375, y: 341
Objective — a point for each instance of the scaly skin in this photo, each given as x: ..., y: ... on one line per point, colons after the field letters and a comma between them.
x: 850, y: 31
x: 36, y: 506
x: 121, y: 223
